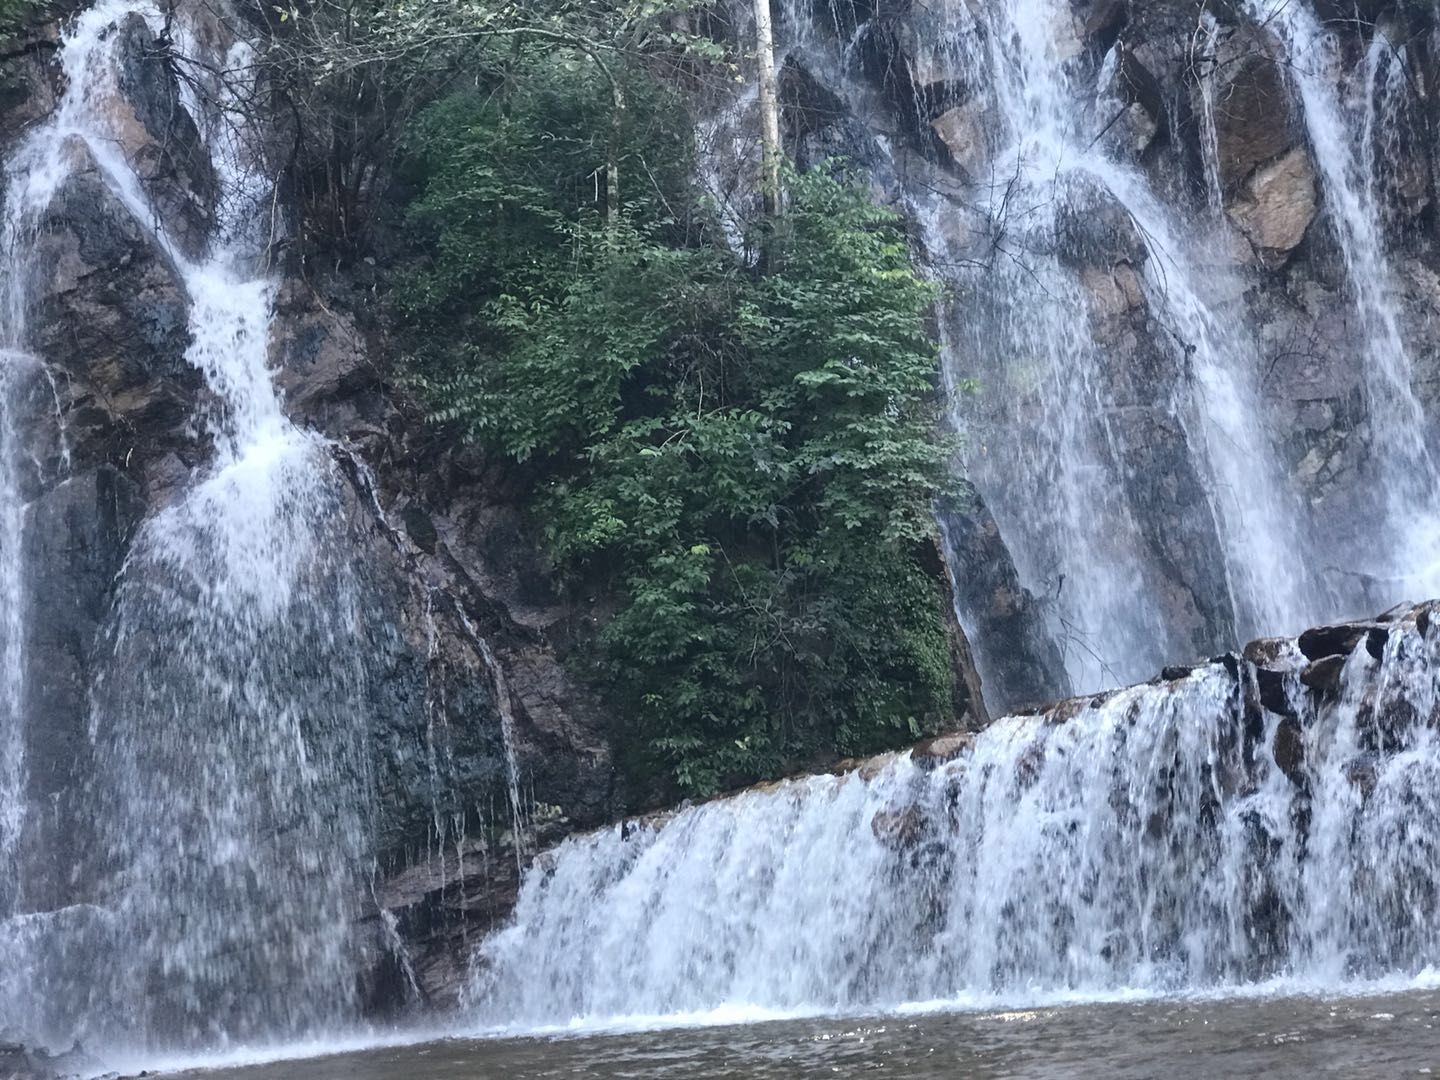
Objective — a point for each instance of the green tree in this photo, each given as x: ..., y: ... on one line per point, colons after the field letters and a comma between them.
x: 746, y: 460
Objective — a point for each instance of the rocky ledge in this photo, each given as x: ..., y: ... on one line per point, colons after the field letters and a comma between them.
x: 1265, y: 705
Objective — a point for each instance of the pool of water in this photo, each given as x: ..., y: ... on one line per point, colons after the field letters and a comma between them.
x: 1382, y: 1036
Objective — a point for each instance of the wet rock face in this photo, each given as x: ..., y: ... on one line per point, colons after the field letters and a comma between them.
x: 27, y: 82
x: 75, y: 545
x: 451, y: 561
x: 1026, y: 666
x: 108, y: 308
x: 161, y: 141
x: 1254, y: 117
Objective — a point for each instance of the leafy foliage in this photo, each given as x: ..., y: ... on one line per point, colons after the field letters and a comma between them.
x: 347, y: 78
x: 745, y: 457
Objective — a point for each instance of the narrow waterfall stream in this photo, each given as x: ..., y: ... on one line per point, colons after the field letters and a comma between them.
x: 1348, y: 156
x: 231, y: 790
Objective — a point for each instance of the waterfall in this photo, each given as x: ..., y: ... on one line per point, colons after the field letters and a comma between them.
x: 229, y: 715
x: 1144, y: 507
x: 1174, y: 836
x: 1405, y: 473
x: 12, y: 633
x: 1056, y: 172
x: 1270, y: 819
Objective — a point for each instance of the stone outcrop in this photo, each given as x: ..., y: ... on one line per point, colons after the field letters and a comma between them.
x: 1028, y: 668
x: 1275, y: 206
x: 160, y: 140
x: 110, y: 309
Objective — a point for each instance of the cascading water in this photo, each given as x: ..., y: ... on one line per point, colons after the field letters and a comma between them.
x: 1200, y: 833
x: 1057, y: 165
x: 1113, y: 489
x: 1347, y: 141
x: 229, y: 715
x: 1167, y: 837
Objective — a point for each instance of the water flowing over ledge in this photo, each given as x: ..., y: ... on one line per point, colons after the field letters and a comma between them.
x: 1268, y: 816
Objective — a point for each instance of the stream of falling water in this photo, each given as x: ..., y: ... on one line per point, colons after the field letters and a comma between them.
x: 228, y: 719
x: 1405, y: 471
x: 1062, y: 445
x: 12, y: 632
x: 1201, y: 402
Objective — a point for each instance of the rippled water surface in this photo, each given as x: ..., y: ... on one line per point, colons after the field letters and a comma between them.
x: 1390, y: 1036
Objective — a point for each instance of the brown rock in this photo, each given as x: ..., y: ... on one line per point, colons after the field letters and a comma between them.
x: 963, y: 131
x: 1288, y: 749
x: 935, y: 752
x: 1254, y: 121
x: 1268, y: 652
x: 1275, y: 206
x: 898, y: 829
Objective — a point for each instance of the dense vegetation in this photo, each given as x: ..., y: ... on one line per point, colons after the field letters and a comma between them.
x: 734, y: 436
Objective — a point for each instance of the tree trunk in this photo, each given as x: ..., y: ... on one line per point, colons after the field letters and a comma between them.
x: 612, y: 158
x: 769, y: 109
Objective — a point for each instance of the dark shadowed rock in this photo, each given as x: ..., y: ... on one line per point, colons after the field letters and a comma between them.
x: 110, y: 313
x: 1274, y: 691
x: 1255, y: 119
x: 1027, y: 669
x: 323, y: 369
x: 28, y: 77
x: 1324, y: 675
x: 1099, y: 21
x: 1338, y: 640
